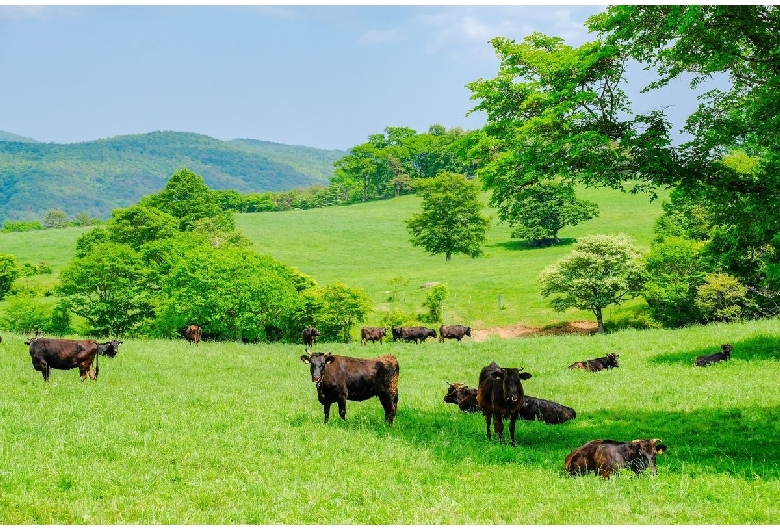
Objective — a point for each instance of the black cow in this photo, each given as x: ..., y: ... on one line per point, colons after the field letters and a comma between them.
x: 723, y: 355
x: 340, y: 378
x: 463, y: 396
x: 372, y: 334
x: 63, y: 354
x: 310, y: 335
x: 453, y: 332
x: 500, y: 395
x: 413, y: 333
x: 604, y: 457
x: 597, y: 364
x: 549, y: 412
x: 109, y: 349
x: 193, y: 333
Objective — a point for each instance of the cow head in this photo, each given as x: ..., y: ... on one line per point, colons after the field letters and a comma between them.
x: 726, y: 349
x: 317, y: 361
x: 468, y: 332
x: 612, y: 360
x: 511, y: 377
x: 642, y: 454
x: 453, y: 392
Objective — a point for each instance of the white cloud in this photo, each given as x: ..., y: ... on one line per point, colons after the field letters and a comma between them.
x: 378, y: 36
x: 8, y: 12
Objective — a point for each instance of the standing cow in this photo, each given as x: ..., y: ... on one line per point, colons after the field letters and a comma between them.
x: 500, y: 395
x: 193, y: 333
x: 413, y: 333
x: 372, y: 334
x: 63, y: 354
x: 340, y: 378
x: 605, y: 457
x: 453, y: 332
x: 309, y: 336
x: 723, y: 355
x: 597, y: 364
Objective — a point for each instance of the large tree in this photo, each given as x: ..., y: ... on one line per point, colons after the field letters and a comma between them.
x: 451, y: 221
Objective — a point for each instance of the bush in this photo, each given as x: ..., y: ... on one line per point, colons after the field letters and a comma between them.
x: 721, y: 298
x: 21, y: 226
x: 433, y: 302
x: 25, y: 313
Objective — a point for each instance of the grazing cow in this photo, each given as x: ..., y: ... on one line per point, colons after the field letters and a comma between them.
x: 63, y: 354
x: 109, y: 349
x: 549, y: 412
x: 597, y: 364
x: 413, y: 333
x: 193, y: 333
x: 339, y: 378
x: 463, y: 396
x: 453, y: 332
x: 723, y: 355
x: 310, y: 335
x: 604, y: 457
x: 500, y: 395
x: 372, y: 334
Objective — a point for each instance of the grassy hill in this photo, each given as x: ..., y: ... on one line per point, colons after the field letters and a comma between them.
x: 96, y: 177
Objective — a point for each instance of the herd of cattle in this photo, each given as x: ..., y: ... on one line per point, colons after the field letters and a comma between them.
x: 499, y: 394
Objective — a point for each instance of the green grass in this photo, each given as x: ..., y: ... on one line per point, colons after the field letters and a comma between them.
x: 229, y: 433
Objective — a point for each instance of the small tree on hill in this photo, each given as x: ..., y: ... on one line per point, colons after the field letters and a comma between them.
x: 9, y: 271
x: 601, y: 270
x: 451, y: 221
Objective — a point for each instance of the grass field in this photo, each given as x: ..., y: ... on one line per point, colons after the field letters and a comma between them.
x: 228, y: 433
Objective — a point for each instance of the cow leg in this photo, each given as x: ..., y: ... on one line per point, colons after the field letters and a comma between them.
x: 389, y: 404
x: 342, y: 408
x: 498, y: 426
x: 487, y: 425
x: 512, y: 421
x: 326, y: 407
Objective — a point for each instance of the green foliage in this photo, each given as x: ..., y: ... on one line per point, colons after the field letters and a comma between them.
x: 397, y: 317
x: 451, y: 221
x: 9, y: 271
x: 433, y: 300
x: 30, y: 269
x: 25, y: 313
x: 138, y: 225
x: 396, y: 284
x: 601, y: 270
x: 21, y: 226
x: 539, y: 211
x: 339, y: 307
x: 55, y: 219
x: 721, y: 298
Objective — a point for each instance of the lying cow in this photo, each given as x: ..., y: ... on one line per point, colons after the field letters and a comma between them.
x: 63, y: 354
x: 500, y: 395
x: 193, y: 333
x: 597, y: 364
x: 309, y: 336
x: 604, y: 457
x: 549, y: 412
x: 723, y: 355
x: 340, y: 378
x: 109, y: 349
x: 463, y: 396
x: 453, y: 332
x: 372, y: 334
x: 412, y: 333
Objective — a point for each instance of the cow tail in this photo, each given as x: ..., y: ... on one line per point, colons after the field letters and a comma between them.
x: 97, y: 363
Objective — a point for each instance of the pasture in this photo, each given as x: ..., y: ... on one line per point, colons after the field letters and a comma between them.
x: 229, y: 433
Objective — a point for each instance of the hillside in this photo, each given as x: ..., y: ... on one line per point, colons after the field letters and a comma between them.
x: 96, y: 177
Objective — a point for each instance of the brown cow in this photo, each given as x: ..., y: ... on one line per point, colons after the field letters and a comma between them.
x: 453, y: 332
x: 63, y: 354
x: 372, y: 334
x: 604, y: 457
x: 500, y: 395
x: 109, y: 349
x: 597, y: 364
x: 193, y: 333
x: 723, y: 355
x: 412, y: 333
x: 549, y: 412
x: 340, y: 378
x: 463, y: 396
x: 309, y: 336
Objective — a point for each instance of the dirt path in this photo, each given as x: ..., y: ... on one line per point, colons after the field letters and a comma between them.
x: 577, y: 327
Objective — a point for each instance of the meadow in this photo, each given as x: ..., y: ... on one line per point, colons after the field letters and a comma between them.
x: 229, y: 433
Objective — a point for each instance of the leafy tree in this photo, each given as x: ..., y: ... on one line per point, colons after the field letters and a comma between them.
x: 24, y: 313
x: 539, y: 211
x: 55, y: 219
x: 339, y: 308
x: 721, y: 298
x: 9, y: 272
x: 21, y: 226
x: 601, y: 270
x: 451, y: 219
x: 433, y: 300
x: 137, y: 225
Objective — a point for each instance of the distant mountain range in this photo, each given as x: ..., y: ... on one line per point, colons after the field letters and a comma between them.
x: 96, y: 177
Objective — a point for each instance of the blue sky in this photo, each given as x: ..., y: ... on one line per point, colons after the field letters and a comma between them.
x: 320, y: 76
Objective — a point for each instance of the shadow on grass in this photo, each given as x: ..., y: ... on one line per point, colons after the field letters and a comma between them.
x: 761, y: 347
x: 527, y: 245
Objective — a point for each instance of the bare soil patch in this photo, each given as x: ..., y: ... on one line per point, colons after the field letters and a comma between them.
x: 577, y: 327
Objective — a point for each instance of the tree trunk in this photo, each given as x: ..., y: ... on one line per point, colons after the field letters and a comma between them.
x: 599, y: 319
x: 449, y: 255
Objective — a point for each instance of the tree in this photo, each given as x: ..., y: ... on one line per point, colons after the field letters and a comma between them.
x: 339, y: 307
x: 55, y: 219
x: 9, y: 272
x: 601, y: 270
x: 433, y: 302
x: 539, y: 211
x: 451, y: 219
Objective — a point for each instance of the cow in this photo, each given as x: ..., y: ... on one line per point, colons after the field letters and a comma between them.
x: 463, y: 396
x: 605, y: 457
x: 597, y: 364
x: 500, y: 395
x: 309, y: 336
x: 413, y: 333
x: 453, y: 332
x: 63, y: 354
x: 549, y: 412
x: 723, y: 355
x: 372, y: 334
x: 193, y: 333
x: 109, y: 349
x: 340, y: 378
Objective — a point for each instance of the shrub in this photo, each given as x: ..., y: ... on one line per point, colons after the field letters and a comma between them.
x: 721, y: 298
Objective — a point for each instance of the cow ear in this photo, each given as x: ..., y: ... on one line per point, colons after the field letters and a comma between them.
x: 329, y: 358
x: 525, y: 375
x: 660, y: 449
x: 306, y: 359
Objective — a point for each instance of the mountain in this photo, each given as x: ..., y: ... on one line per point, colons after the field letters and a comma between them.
x: 97, y: 176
